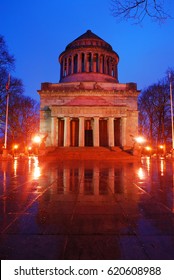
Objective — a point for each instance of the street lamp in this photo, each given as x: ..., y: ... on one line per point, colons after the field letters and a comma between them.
x: 5, y: 152
x: 148, y: 150
x: 15, y: 147
x: 137, y: 148
x: 162, y: 150
x: 140, y: 139
x: 37, y: 141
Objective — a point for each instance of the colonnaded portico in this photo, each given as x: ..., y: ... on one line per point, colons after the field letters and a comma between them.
x: 88, y: 107
x: 81, y: 131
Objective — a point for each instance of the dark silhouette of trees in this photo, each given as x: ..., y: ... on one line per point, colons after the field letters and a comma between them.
x: 155, y: 112
x: 137, y: 10
x: 23, y: 120
x: 23, y: 117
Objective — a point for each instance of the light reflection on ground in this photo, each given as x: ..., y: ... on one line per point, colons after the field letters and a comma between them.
x: 87, y: 210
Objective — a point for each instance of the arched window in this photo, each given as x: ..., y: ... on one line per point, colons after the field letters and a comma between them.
x: 89, y: 63
x: 102, y: 63
x: 83, y: 62
x: 75, y: 63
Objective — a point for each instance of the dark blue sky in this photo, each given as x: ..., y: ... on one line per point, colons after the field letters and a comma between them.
x: 37, y: 31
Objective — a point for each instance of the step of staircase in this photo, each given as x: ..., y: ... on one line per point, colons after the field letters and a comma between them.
x: 86, y: 153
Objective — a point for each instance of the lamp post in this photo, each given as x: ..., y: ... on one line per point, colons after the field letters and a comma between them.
x: 5, y: 152
x: 162, y: 150
x: 171, y: 103
x: 37, y: 141
x: 15, y: 147
x: 6, y: 121
x: 138, y: 142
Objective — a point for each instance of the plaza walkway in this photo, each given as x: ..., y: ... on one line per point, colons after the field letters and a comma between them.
x: 86, y: 209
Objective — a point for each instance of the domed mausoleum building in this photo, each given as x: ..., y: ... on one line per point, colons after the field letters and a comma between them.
x: 88, y: 107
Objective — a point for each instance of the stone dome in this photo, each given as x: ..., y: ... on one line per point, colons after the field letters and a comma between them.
x: 88, y: 58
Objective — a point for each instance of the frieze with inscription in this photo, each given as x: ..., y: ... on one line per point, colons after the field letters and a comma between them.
x: 85, y: 111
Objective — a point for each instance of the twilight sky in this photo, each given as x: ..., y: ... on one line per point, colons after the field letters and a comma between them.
x: 37, y: 31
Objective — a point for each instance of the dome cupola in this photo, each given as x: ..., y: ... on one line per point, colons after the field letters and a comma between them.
x: 88, y: 58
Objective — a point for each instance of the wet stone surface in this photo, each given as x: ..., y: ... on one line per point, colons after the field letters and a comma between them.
x: 86, y: 210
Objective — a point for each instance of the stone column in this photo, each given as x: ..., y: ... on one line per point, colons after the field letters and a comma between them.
x: 111, y: 132
x: 94, y: 62
x: 123, y: 131
x: 85, y: 62
x: 97, y: 63
x: 53, y: 131
x: 66, y: 132
x: 81, y: 132
x: 96, y: 132
x: 105, y: 65
x: 100, y: 63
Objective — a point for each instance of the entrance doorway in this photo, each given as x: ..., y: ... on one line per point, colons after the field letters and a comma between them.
x: 60, y: 132
x: 103, y: 133
x: 88, y: 133
x: 117, y: 132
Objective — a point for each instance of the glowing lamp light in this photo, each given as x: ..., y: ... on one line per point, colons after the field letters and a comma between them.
x: 161, y: 146
x: 140, y: 139
x: 15, y: 147
x: 148, y: 148
x: 37, y: 139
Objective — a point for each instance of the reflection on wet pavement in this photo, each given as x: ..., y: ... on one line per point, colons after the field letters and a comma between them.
x: 86, y: 210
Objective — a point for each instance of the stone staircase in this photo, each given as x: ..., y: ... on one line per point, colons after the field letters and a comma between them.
x: 87, y: 153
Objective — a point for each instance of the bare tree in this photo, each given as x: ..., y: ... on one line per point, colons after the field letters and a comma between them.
x: 137, y: 10
x: 155, y: 115
x: 23, y: 117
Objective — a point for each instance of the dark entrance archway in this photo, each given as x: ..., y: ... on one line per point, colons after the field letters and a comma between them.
x: 88, y: 133
x: 117, y: 141
x: 103, y: 133
x: 60, y: 132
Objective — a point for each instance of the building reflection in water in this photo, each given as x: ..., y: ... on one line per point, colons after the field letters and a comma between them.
x: 141, y: 173
x: 88, y: 180
x: 162, y: 166
x: 15, y: 165
x: 36, y: 169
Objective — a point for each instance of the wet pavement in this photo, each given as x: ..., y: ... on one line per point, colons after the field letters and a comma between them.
x: 86, y: 210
